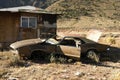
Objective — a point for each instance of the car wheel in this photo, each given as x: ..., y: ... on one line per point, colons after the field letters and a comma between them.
x: 93, y: 55
x: 38, y: 55
x: 35, y: 56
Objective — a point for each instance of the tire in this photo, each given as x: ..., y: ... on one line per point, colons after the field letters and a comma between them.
x: 93, y: 55
x: 35, y: 56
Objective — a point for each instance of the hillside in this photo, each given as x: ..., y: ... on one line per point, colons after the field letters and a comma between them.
x: 91, y: 8
x: 96, y: 13
x: 76, y: 13
x: 37, y: 3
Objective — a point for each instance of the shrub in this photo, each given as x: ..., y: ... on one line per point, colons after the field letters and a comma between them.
x: 3, y: 72
x: 57, y: 58
x: 14, y: 60
x: 116, y: 76
x: 110, y: 39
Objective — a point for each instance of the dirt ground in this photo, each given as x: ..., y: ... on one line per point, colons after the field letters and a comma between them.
x: 29, y: 70
x: 13, y: 69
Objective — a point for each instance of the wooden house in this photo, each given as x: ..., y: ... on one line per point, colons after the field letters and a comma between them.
x: 25, y: 22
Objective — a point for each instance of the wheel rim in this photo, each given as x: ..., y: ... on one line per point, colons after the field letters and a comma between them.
x: 93, y: 56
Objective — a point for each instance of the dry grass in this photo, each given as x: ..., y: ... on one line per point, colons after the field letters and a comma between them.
x: 115, y: 76
x: 5, y: 55
x: 8, y: 59
x: 110, y: 40
x: 3, y: 72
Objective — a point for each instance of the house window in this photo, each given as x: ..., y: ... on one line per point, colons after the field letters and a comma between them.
x: 28, y: 22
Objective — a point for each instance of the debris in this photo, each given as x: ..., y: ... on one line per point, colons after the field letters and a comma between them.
x: 12, y: 78
x: 78, y: 63
x: 92, y: 78
x: 79, y: 74
x: 104, y: 78
x: 27, y: 64
x: 94, y: 67
x: 65, y: 76
x: 64, y: 71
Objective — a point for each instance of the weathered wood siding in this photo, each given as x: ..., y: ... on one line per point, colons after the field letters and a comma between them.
x: 28, y: 33
x: 8, y: 27
x: 11, y: 30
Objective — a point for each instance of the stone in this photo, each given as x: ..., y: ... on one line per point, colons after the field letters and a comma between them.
x: 79, y: 74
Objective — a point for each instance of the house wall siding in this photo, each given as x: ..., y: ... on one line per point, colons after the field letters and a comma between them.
x: 8, y: 27
x: 27, y: 33
x: 11, y: 30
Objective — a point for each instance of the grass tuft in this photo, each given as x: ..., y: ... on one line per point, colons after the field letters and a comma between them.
x: 56, y: 58
x: 3, y: 72
x: 9, y: 59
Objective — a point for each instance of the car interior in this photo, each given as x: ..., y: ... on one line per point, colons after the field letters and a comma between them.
x: 71, y: 42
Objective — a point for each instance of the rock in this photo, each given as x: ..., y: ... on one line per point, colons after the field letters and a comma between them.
x: 79, y: 74
x: 89, y: 74
x: 92, y: 78
x: 50, y: 78
x: 7, y: 75
x: 70, y: 60
x: 64, y: 71
x: 27, y: 64
x: 65, y: 76
x: 77, y: 63
x: 104, y: 78
x: 12, y: 78
x: 94, y: 67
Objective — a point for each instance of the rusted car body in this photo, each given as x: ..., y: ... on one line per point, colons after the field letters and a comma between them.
x: 70, y: 46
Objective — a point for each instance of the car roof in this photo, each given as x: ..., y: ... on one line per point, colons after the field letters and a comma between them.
x: 81, y: 38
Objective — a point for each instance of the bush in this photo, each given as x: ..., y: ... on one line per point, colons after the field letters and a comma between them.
x: 3, y: 72
x: 110, y: 39
x: 115, y: 76
x: 14, y: 60
x: 57, y: 58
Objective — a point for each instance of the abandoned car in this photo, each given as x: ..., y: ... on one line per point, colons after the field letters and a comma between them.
x: 69, y: 46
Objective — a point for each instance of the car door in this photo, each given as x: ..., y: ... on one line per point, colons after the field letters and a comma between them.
x: 69, y: 48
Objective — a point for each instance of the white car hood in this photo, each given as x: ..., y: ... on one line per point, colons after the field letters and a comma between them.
x: 27, y: 42
x: 94, y: 35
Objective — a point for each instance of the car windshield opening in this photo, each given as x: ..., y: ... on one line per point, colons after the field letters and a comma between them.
x: 68, y: 42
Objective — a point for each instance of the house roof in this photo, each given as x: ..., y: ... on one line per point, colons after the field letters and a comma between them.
x: 28, y: 9
x: 16, y: 9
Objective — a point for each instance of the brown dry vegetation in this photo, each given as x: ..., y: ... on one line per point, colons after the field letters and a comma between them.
x: 88, y: 14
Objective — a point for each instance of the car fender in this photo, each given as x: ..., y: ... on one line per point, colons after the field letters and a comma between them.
x: 22, y: 47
